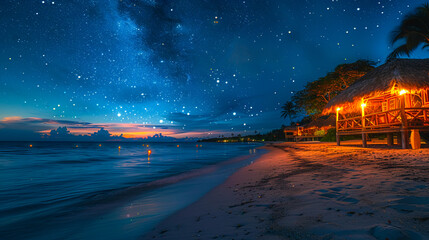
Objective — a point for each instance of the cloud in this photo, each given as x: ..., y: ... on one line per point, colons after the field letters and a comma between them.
x: 33, y: 120
x: 23, y: 129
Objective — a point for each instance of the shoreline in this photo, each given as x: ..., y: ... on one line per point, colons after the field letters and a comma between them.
x: 313, y: 191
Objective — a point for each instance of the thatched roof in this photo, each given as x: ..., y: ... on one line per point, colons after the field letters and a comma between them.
x: 409, y: 74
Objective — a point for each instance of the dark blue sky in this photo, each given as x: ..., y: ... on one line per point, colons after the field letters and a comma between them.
x: 181, y: 67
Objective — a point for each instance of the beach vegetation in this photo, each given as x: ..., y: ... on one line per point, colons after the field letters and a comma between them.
x: 289, y: 110
x: 330, y: 136
x: 311, y: 100
x: 412, y: 33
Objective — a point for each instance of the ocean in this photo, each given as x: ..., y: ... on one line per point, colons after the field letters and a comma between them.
x: 67, y: 190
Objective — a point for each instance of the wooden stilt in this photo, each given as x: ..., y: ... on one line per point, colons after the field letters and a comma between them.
x: 338, y: 140
x: 364, y: 140
x: 390, y: 139
x: 404, y: 138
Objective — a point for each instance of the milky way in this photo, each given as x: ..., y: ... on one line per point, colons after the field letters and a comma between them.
x: 186, y: 65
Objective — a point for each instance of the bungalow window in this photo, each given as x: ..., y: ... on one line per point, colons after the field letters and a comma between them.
x: 384, y: 106
x: 393, y: 104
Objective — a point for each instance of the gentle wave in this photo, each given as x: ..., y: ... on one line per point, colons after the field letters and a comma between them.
x: 45, y: 188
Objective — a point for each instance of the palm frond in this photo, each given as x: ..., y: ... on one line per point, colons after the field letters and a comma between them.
x: 413, y: 30
x: 401, y: 50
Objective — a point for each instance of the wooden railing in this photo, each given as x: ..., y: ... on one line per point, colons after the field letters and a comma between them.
x: 347, y: 124
x: 416, y: 117
x: 383, y: 119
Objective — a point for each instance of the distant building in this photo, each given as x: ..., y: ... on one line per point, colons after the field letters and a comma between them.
x: 314, y: 130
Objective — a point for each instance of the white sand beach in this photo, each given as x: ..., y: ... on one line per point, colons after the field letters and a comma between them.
x: 314, y: 191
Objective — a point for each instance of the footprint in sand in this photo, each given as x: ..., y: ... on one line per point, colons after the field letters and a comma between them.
x: 336, y: 189
x: 335, y: 193
x: 410, y: 204
x: 348, y: 200
x: 381, y: 232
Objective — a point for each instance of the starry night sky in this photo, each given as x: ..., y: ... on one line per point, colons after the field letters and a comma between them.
x: 182, y: 67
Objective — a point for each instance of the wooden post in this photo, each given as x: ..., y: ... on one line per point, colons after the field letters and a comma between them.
x: 404, y: 138
x: 389, y: 139
x: 398, y: 140
x: 364, y: 144
x: 404, y: 129
x: 336, y: 129
x: 363, y: 126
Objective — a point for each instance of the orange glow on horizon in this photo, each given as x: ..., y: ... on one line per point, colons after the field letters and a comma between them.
x: 125, y: 130
x: 130, y: 134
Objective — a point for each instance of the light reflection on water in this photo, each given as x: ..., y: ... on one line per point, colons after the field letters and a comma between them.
x: 52, y: 189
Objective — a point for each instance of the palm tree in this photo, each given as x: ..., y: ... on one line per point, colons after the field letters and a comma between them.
x: 289, y: 110
x: 414, y: 30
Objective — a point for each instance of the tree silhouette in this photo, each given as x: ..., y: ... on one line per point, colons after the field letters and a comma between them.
x: 289, y: 110
x: 315, y: 95
x: 414, y: 30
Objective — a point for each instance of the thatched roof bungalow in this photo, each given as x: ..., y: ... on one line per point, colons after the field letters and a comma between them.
x: 393, y: 97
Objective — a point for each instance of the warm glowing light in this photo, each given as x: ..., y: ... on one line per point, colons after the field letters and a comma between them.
x: 338, y: 109
x: 77, y: 146
x: 403, y: 91
x: 31, y: 145
x: 177, y: 145
x: 99, y: 145
x: 147, y: 145
x: 196, y: 145
x: 119, y: 147
x: 149, y: 152
x: 363, y: 105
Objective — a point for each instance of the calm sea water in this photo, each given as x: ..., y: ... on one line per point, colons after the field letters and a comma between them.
x: 108, y: 191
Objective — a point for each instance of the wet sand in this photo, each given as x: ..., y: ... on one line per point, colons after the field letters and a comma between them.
x: 314, y: 191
